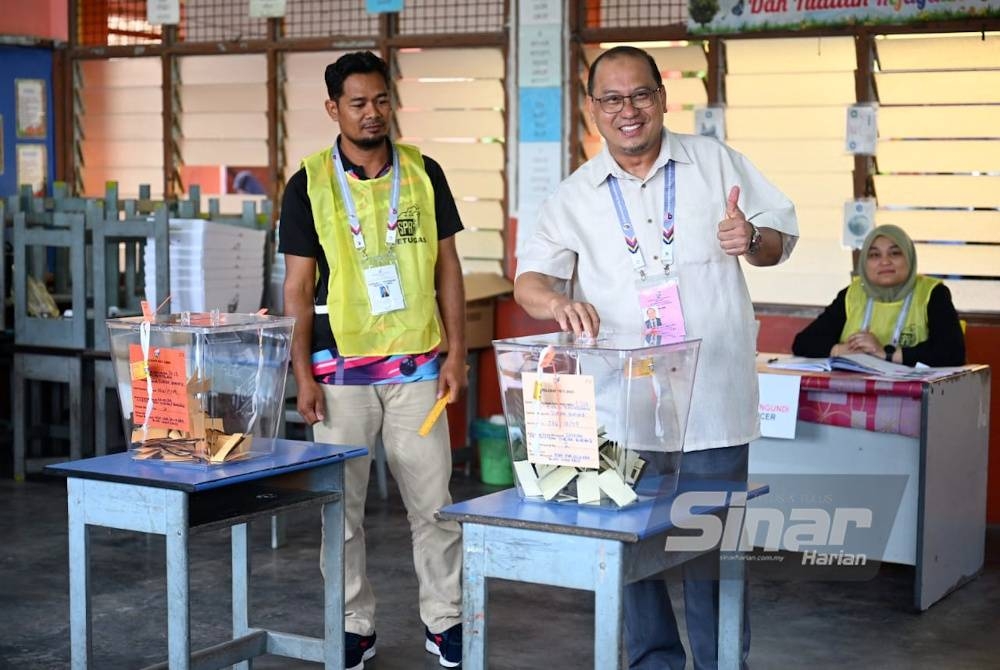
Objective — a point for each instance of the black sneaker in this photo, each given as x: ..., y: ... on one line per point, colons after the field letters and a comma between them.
x: 447, y: 645
x: 357, y: 650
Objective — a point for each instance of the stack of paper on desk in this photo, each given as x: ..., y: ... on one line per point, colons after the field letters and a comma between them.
x: 865, y: 363
x: 213, y: 265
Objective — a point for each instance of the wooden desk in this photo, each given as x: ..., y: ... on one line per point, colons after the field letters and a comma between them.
x: 581, y: 547
x: 174, y: 500
x: 940, y: 527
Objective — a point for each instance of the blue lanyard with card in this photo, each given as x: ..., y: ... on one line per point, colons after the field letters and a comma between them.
x: 659, y: 294
x: 385, y: 291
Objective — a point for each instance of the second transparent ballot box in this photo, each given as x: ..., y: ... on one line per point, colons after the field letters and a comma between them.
x: 198, y: 388
x: 596, y: 421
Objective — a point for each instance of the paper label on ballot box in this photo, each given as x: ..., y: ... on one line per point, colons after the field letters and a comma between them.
x: 168, y: 372
x: 560, y: 419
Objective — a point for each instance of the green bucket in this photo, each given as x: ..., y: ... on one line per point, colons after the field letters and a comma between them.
x: 494, y: 458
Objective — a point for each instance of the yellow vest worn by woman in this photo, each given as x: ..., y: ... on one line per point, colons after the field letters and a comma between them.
x: 885, y: 314
x: 358, y: 332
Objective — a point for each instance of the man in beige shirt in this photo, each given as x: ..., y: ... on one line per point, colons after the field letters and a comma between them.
x: 686, y: 207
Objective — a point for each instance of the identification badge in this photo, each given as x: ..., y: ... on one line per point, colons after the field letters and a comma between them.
x: 385, y: 292
x: 660, y: 304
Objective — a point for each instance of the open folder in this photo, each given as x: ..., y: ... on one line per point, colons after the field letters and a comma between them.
x: 865, y: 363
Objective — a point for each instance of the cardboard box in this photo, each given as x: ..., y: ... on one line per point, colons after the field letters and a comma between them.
x: 481, y: 291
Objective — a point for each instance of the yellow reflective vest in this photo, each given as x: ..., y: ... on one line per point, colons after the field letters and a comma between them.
x: 358, y: 332
x: 885, y: 314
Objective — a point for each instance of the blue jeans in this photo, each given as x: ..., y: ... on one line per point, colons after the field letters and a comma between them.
x: 651, y: 635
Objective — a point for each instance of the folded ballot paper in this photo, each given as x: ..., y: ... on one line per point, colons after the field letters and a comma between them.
x: 614, y: 477
x: 213, y: 265
x: 864, y: 363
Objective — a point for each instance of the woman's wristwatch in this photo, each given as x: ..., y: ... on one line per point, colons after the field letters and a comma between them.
x: 889, y: 351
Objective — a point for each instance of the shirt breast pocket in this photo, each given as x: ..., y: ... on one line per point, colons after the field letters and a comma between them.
x: 696, y: 238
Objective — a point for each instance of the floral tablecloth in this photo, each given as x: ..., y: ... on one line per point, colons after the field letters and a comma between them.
x: 856, y: 401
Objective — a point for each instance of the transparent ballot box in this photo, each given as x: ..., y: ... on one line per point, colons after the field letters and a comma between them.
x: 198, y: 388
x: 596, y: 421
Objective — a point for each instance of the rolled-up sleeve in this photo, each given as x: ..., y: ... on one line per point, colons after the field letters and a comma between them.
x: 546, y: 251
x: 767, y: 207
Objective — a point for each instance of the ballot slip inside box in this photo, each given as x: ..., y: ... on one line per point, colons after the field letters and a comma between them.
x: 200, y: 388
x: 596, y: 422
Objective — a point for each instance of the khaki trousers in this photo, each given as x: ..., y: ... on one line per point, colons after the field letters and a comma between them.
x: 421, y: 466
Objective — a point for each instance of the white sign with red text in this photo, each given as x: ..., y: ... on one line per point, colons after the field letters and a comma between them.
x: 778, y: 404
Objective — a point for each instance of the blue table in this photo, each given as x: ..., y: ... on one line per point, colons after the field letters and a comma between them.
x: 590, y: 548
x: 174, y: 500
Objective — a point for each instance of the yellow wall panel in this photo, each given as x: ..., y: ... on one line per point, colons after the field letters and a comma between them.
x: 804, y: 54
x: 138, y: 100
x: 126, y: 153
x: 814, y: 190
x: 925, y: 224
x: 937, y: 191
x: 456, y: 63
x: 479, y: 244
x: 968, y: 51
x: 122, y: 126
x: 470, y: 265
x: 476, y: 184
x: 224, y: 97
x: 122, y: 72
x: 680, y: 121
x: 305, y: 95
x: 813, y: 274
x: 939, y: 156
x: 820, y: 224
x: 464, y: 155
x: 975, y: 295
x: 478, y: 94
x: 686, y: 91
x: 298, y: 148
x: 794, y: 288
x: 820, y: 88
x: 430, y: 125
x: 224, y: 126
x: 482, y: 214
x: 223, y: 152
x: 311, y: 124
x: 800, y: 155
x: 943, y: 121
x: 959, y: 259
x: 228, y: 68
x: 309, y: 66
x: 787, y: 123
x: 962, y: 87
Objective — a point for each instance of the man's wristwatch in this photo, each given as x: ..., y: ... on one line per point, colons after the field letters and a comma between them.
x: 754, y: 246
x: 889, y: 351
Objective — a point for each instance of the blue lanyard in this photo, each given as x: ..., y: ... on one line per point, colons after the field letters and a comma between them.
x: 628, y: 230
x: 900, y: 320
x: 352, y: 212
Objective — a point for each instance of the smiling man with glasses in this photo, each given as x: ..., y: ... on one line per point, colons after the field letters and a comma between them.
x: 656, y: 224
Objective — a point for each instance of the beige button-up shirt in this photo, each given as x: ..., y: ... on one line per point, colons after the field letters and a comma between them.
x: 578, y: 239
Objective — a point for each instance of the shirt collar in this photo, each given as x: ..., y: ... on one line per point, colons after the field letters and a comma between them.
x: 671, y: 148
x: 358, y: 171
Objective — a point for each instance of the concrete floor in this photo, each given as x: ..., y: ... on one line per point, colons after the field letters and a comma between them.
x: 795, y: 624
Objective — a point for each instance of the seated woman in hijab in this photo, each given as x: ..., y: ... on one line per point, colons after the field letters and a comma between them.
x: 888, y: 310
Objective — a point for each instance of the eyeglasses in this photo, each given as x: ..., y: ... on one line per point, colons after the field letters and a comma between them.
x: 614, y: 103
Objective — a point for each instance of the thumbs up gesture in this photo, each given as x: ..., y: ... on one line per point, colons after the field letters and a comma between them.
x: 734, y: 230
